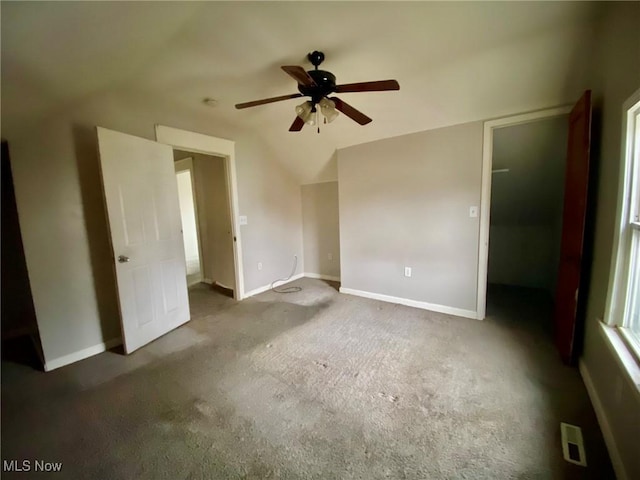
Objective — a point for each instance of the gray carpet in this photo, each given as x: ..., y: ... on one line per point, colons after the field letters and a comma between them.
x: 312, y: 385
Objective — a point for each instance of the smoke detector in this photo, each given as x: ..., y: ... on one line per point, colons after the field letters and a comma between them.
x: 210, y: 102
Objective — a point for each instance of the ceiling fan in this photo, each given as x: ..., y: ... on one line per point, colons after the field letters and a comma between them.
x: 319, y: 84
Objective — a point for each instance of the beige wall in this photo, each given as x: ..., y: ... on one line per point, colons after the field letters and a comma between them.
x: 271, y: 202
x: 405, y: 201
x: 60, y: 205
x: 214, y: 219
x: 321, y: 228
x: 616, y: 76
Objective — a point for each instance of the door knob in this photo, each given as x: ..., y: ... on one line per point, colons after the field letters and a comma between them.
x: 123, y: 259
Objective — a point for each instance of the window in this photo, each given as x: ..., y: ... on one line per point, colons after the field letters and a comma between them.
x: 623, y: 303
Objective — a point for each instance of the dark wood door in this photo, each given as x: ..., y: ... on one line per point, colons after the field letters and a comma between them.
x: 573, y: 223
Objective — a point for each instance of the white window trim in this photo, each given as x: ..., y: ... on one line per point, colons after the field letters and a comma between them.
x: 622, y: 262
x: 630, y: 341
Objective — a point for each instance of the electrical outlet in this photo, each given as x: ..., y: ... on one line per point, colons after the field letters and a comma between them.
x: 330, y: 256
x: 242, y: 219
x: 259, y: 265
x: 407, y: 271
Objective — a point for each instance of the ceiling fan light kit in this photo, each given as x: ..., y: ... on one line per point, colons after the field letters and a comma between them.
x: 328, y: 109
x: 308, y: 112
x: 319, y: 84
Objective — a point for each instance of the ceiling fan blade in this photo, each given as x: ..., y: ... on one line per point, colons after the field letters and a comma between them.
x: 300, y: 75
x: 378, y: 86
x: 297, y: 125
x: 255, y: 103
x: 351, y: 112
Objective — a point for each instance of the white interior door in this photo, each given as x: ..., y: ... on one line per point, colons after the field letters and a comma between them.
x: 144, y: 219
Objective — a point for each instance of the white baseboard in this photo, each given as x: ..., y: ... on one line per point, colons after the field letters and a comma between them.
x: 81, y: 354
x: 411, y: 303
x: 603, y: 421
x: 322, y: 277
x: 266, y: 288
x: 207, y: 281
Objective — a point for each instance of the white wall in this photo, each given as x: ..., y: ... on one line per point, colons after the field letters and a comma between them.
x: 321, y: 229
x: 61, y: 210
x: 405, y: 201
x: 616, y: 76
x: 188, y: 218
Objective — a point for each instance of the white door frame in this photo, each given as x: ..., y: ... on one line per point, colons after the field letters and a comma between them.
x: 200, y: 143
x: 485, y: 195
x: 186, y: 165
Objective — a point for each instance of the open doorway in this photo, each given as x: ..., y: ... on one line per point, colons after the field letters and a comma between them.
x: 193, y: 143
x: 570, y: 298
x: 525, y: 229
x: 206, y: 220
x: 189, y: 215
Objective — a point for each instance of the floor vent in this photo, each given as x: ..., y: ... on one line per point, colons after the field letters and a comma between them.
x: 572, y: 444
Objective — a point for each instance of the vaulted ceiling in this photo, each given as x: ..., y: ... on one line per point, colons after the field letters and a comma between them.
x: 455, y: 62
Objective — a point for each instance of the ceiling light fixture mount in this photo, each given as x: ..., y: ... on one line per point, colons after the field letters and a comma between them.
x: 316, y: 58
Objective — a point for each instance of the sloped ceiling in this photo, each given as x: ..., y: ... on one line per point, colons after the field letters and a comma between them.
x: 456, y: 62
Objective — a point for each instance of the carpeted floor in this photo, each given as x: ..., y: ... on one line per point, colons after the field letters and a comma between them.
x: 312, y: 385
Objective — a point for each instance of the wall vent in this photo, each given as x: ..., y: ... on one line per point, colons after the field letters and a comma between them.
x: 572, y: 444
